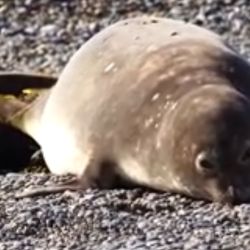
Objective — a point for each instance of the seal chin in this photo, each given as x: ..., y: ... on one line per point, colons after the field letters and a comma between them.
x: 217, y: 192
x: 228, y: 197
x: 234, y: 191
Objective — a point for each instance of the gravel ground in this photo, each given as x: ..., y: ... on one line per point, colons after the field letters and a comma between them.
x: 41, y: 35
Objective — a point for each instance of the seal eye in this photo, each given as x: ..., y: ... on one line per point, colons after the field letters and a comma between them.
x: 205, y: 164
x: 245, y: 156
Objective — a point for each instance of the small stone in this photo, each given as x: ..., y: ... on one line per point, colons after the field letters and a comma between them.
x: 48, y: 30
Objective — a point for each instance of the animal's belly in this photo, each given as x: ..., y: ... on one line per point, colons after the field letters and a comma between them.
x: 61, y: 151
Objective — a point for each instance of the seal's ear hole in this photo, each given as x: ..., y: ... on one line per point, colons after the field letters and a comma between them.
x: 204, y: 164
x: 245, y: 156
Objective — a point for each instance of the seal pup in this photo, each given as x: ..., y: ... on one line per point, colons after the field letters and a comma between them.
x: 17, y: 91
x: 22, y: 98
x: 156, y: 102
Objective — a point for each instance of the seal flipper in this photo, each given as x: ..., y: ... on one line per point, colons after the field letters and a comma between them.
x: 72, y: 185
x: 97, y: 175
x: 15, y: 82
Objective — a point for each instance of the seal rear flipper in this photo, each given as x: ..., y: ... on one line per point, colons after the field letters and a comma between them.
x: 98, y: 174
x: 72, y: 185
x: 76, y: 184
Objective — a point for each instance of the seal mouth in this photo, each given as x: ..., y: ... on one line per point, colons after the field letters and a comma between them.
x: 217, y: 191
x: 231, y: 194
x: 228, y: 197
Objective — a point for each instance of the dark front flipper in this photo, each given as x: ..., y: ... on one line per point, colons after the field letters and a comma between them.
x: 15, y: 149
x: 15, y: 83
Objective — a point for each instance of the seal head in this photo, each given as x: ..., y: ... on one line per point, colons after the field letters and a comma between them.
x: 209, y: 143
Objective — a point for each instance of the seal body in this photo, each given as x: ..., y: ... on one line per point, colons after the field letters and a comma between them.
x: 156, y: 102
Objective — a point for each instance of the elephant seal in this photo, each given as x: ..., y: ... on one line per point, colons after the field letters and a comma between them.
x: 19, y: 109
x: 155, y: 102
x: 17, y: 92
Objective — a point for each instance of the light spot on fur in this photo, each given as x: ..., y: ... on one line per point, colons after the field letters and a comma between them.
x: 173, y: 106
x: 158, y: 144
x: 171, y: 73
x: 148, y: 67
x: 185, y: 79
x: 197, y: 100
x: 167, y: 104
x: 203, y: 102
x: 193, y: 147
x: 110, y: 67
x: 156, y: 125
x: 148, y: 122
x: 163, y: 77
x: 185, y: 152
x: 155, y: 97
x: 152, y: 48
x: 176, y: 182
x: 159, y: 114
x: 168, y: 97
x: 138, y: 146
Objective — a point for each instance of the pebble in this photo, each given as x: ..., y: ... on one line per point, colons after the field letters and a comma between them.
x: 48, y: 30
